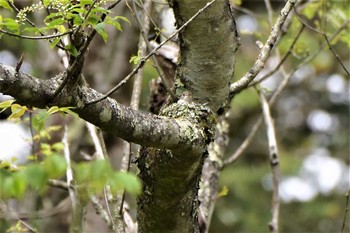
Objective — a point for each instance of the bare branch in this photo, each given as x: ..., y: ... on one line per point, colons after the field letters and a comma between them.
x: 345, y: 211
x: 274, y: 97
x: 284, y: 58
x: 274, y: 162
x: 265, y: 51
x: 37, y: 37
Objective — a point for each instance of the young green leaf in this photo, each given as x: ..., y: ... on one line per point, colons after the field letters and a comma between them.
x: 17, y: 111
x: 100, y: 28
x: 4, y: 4
x: 6, y: 104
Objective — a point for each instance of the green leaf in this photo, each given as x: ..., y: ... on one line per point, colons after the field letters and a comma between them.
x: 136, y: 59
x: 19, y: 184
x: 11, y: 24
x: 127, y: 181
x: 100, y: 28
x: 72, y: 50
x: 58, y: 146
x: 6, y: 104
x: 46, y: 2
x: 4, y: 4
x: 54, y: 42
x: 122, y: 18
x: 38, y: 121
x: 36, y: 176
x: 85, y: 2
x: 55, y: 166
x: 56, y: 22
x: 17, y: 111
x: 53, y: 110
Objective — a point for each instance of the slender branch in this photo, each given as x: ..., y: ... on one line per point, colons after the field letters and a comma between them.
x: 29, y: 21
x: 284, y: 58
x: 100, y: 210
x: 30, y: 228
x: 269, y: 11
x: 59, y: 184
x: 61, y: 207
x: 79, y: 58
x: 144, y: 59
x: 345, y: 211
x: 143, y: 35
x: 300, y: 18
x: 336, y: 55
x: 135, y: 100
x: 101, y: 153
x: 274, y: 162
x: 69, y: 172
x: 37, y: 37
x: 243, y: 82
x: 239, y: 152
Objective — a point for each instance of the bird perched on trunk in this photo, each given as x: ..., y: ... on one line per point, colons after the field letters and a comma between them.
x: 167, y: 57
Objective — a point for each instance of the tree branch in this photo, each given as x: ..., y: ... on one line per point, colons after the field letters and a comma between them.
x: 274, y: 162
x: 134, y: 126
x: 242, y: 83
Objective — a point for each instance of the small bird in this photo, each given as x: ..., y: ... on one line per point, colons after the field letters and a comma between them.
x: 186, y: 96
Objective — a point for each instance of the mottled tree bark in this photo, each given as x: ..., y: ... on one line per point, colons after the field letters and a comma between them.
x: 175, y: 143
x: 169, y: 201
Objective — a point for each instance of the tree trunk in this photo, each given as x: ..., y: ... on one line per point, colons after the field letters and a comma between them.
x: 169, y: 201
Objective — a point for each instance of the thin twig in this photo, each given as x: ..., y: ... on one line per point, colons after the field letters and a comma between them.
x: 79, y: 58
x: 69, y: 171
x: 264, y: 54
x: 300, y: 18
x: 143, y: 35
x: 144, y: 59
x: 336, y: 55
x: 29, y: 21
x: 59, y: 184
x: 345, y: 211
x: 269, y: 11
x: 118, y: 202
x: 36, y: 37
x: 271, y: 72
x: 274, y: 162
x: 101, y: 153
x: 239, y: 152
x: 30, y: 228
x: 61, y: 207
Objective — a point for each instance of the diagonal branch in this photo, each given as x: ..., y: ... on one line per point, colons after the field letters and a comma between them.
x: 242, y: 83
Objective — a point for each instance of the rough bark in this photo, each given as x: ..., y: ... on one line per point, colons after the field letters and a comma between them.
x: 175, y: 143
x: 134, y: 126
x: 169, y: 201
x: 207, y: 49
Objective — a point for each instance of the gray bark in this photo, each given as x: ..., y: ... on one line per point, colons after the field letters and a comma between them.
x: 175, y: 143
x: 134, y: 126
x: 169, y: 201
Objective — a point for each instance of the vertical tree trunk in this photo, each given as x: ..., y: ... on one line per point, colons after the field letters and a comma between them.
x: 169, y: 202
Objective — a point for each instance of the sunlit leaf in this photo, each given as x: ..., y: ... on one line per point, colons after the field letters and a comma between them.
x: 223, y: 192
x: 4, y: 4
x: 6, y: 104
x: 17, y: 111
